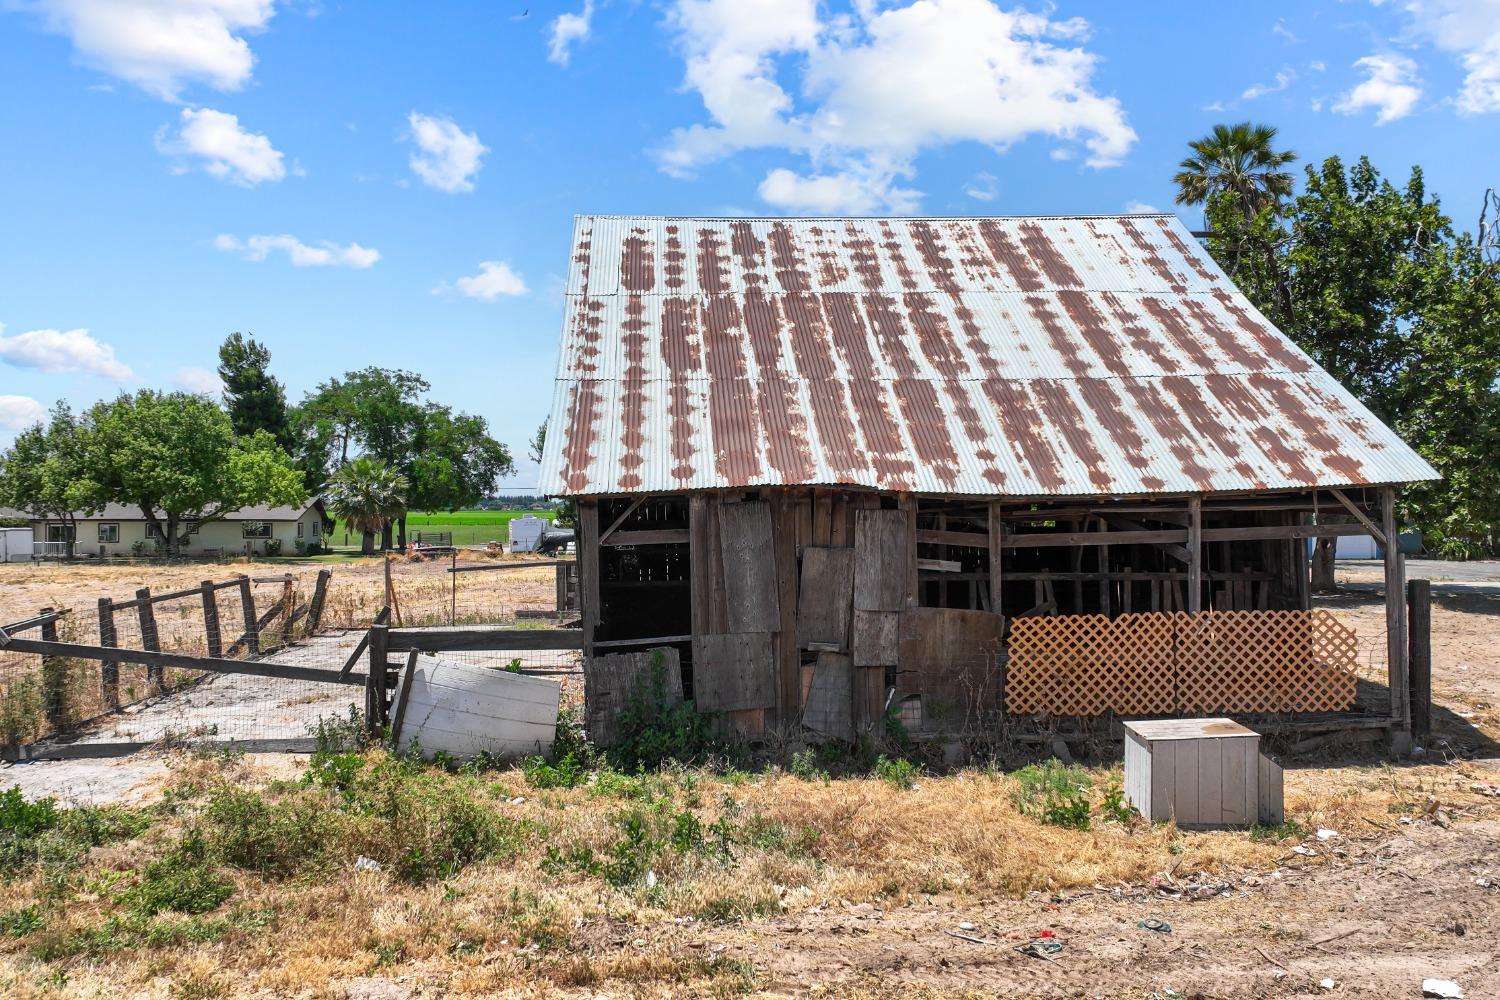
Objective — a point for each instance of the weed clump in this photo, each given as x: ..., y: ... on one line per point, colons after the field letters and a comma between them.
x: 1054, y: 793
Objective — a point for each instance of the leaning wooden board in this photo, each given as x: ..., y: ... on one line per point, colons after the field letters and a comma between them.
x: 463, y: 710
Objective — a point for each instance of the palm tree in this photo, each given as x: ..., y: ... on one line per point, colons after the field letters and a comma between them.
x: 1240, y: 159
x: 367, y: 495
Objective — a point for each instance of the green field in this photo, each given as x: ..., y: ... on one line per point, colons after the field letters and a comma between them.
x: 470, y: 527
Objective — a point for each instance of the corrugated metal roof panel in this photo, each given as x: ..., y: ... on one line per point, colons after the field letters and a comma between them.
x: 1003, y: 356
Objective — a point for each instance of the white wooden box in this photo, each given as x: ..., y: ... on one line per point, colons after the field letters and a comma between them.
x: 1203, y: 773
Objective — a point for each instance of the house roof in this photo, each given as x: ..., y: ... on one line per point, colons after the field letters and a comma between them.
x: 981, y: 356
x: 132, y: 512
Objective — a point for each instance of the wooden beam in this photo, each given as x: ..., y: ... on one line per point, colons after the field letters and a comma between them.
x: 35, y: 621
x: 1419, y: 645
x: 1052, y: 539
x: 150, y: 638
x: 972, y: 539
x: 588, y: 572
x: 160, y: 660
x: 992, y: 541
x: 1375, y: 532
x: 109, y: 670
x: 1395, y: 627
x: 534, y: 564
x: 403, y: 695
x: 660, y: 640
x: 438, y: 640
x: 381, y: 617
x: 1195, y: 556
x: 1178, y: 552
x: 634, y: 504
x: 212, y: 635
x: 656, y: 536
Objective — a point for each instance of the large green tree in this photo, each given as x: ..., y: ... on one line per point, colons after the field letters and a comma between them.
x: 448, y: 459
x: 252, y: 395
x: 46, y: 473
x: 177, y: 458
x: 1373, y: 282
x: 1240, y: 160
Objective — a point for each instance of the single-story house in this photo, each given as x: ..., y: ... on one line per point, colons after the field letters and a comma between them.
x: 967, y: 470
x: 122, y: 530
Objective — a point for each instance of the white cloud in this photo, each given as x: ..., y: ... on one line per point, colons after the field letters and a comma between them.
x: 446, y: 157
x: 1470, y: 29
x: 568, y: 29
x: 495, y: 278
x: 19, y: 412
x: 983, y: 186
x: 877, y: 87
x: 62, y: 352
x: 325, y: 254
x: 1280, y: 28
x: 1391, y: 87
x: 859, y: 190
x: 1283, y: 80
x: 199, y: 380
x: 1141, y: 208
x: 228, y: 151
x: 160, y: 45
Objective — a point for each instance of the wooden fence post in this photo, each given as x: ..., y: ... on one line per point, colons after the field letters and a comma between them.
x: 150, y: 640
x: 109, y: 670
x: 375, y: 681
x: 247, y: 608
x: 319, y: 597
x: 211, y: 633
x: 1419, y: 625
x: 1399, y: 735
x: 561, y: 587
x: 288, y: 602
x: 54, y: 678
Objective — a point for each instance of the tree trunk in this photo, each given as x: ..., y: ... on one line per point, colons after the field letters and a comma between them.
x: 367, y: 543
x: 171, y: 536
x: 1323, y: 581
x: 401, y: 533
x: 385, y: 537
x: 70, y: 536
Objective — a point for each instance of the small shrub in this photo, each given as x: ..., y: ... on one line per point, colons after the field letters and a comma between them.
x: 568, y: 772
x: 25, y: 819
x: 21, y: 711
x: 182, y: 882
x: 1288, y: 830
x: 246, y: 830
x: 805, y: 766
x: 273, y: 547
x: 1054, y: 793
x: 21, y: 922
x: 1114, y: 807
x: 652, y: 731
x: 898, y: 771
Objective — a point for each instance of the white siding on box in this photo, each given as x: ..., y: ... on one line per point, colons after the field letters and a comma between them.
x: 1202, y: 773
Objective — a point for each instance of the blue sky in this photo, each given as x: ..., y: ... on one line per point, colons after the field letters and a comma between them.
x: 393, y: 183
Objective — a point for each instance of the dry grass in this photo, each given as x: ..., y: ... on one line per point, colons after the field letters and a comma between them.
x: 522, y: 924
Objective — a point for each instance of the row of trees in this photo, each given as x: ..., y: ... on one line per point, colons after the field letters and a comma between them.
x: 1373, y: 281
x: 369, y: 441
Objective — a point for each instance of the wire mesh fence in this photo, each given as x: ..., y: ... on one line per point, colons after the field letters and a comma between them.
x: 266, y: 619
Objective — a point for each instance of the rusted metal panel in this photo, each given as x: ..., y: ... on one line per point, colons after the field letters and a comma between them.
x: 1004, y: 357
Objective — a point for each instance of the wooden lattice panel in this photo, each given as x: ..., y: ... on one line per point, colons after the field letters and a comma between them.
x: 1090, y: 664
x: 1214, y: 662
x: 1265, y: 661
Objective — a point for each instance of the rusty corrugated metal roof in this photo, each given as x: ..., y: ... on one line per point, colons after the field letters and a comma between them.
x: 998, y: 356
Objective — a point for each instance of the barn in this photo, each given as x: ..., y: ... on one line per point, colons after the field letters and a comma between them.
x: 968, y: 473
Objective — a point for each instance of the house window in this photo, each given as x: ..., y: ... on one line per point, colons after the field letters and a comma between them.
x: 255, y: 529
x: 109, y: 531
x: 316, y: 529
x: 299, y: 529
x: 59, y: 532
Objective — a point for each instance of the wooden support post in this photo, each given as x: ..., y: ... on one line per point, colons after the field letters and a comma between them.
x: 288, y: 605
x: 1419, y: 624
x: 997, y: 550
x: 319, y: 599
x: 1395, y: 627
x: 561, y: 587
x: 375, y: 719
x: 247, y: 610
x: 588, y: 566
x: 150, y: 640
x: 54, y: 678
x: 913, y: 594
x: 1195, y: 555
x: 212, y: 636
x: 109, y: 670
